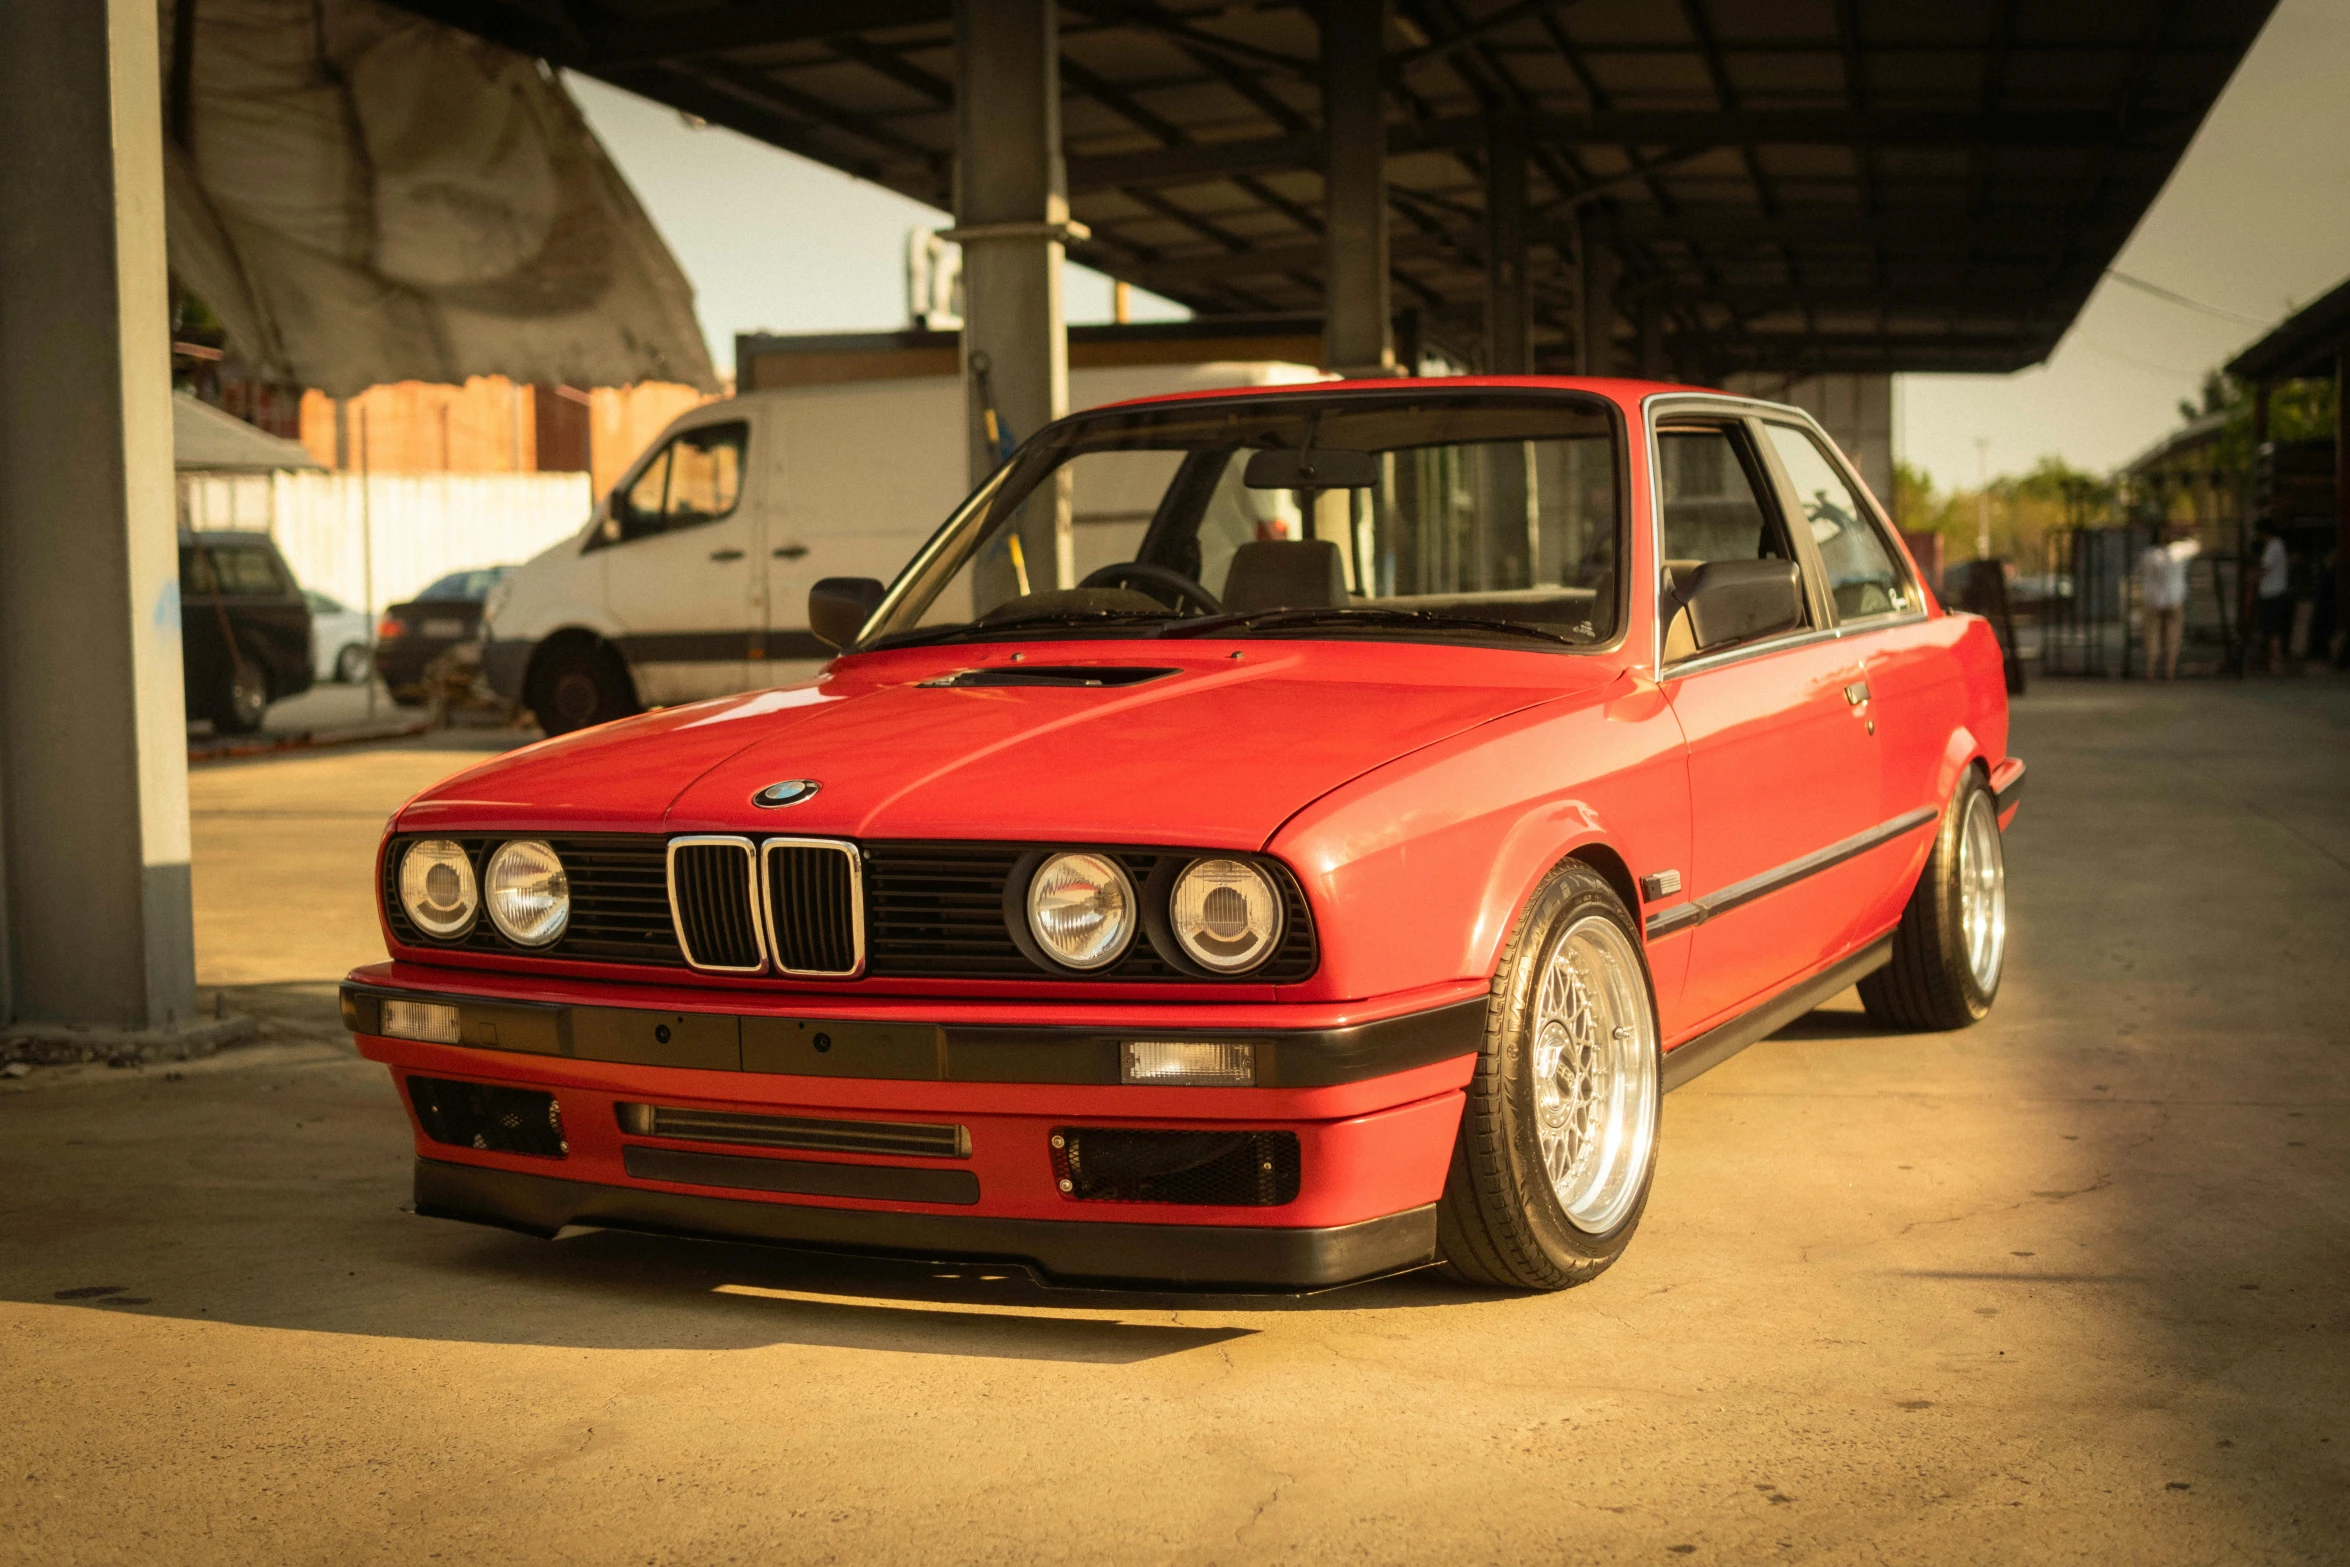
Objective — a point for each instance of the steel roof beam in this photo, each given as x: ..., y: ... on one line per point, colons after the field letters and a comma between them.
x: 1634, y: 128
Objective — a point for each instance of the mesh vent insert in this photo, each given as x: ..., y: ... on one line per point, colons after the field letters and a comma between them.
x: 1197, y: 1169
x: 494, y: 1120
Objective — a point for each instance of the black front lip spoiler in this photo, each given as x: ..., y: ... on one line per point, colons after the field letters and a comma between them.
x: 1192, y: 1256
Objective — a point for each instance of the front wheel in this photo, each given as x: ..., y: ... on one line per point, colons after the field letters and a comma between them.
x: 240, y: 699
x: 1951, y: 946
x: 353, y: 665
x: 576, y: 686
x: 1557, y: 1144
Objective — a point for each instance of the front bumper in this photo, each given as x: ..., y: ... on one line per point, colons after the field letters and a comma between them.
x: 1373, y: 1103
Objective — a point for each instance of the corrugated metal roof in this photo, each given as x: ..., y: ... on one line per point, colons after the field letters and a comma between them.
x: 1835, y: 185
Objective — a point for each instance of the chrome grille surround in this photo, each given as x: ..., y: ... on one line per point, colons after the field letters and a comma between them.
x: 804, y: 918
x: 702, y: 904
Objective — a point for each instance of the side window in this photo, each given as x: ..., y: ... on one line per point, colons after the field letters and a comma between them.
x: 246, y: 572
x: 1709, y: 494
x: 696, y: 478
x: 1862, y: 576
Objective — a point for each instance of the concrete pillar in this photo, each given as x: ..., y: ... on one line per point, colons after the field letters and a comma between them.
x: 1012, y: 220
x: 1354, y: 185
x: 93, y: 738
x: 1597, y: 268
x: 1509, y: 336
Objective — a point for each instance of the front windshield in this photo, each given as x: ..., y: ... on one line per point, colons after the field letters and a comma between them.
x: 1482, y: 517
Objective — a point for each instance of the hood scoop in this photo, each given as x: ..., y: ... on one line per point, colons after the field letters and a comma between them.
x: 1110, y: 675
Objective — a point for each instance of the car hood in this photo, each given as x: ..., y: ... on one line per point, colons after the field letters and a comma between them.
x: 1218, y: 751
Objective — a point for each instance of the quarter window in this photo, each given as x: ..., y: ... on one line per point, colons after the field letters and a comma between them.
x: 246, y: 572
x: 695, y: 478
x: 1862, y: 575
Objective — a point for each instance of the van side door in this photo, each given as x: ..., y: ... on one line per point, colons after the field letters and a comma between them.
x: 862, y: 475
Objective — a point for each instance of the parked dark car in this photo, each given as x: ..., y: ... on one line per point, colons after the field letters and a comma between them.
x: 244, y: 629
x: 411, y: 635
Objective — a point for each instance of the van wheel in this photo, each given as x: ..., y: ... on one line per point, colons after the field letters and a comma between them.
x: 1557, y: 1145
x: 1951, y: 946
x: 578, y: 686
x: 240, y: 698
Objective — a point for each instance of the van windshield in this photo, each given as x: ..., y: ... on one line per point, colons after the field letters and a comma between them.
x: 1476, y: 517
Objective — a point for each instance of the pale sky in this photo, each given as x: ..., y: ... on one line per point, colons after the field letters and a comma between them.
x: 2254, y: 222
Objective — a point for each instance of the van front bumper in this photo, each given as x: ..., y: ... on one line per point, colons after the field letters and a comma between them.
x: 1367, y: 1105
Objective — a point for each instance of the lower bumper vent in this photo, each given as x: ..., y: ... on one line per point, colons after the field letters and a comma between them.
x: 784, y: 1131
x: 1198, y: 1169
x: 494, y: 1120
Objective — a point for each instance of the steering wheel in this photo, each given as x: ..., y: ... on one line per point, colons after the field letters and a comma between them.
x: 1135, y: 573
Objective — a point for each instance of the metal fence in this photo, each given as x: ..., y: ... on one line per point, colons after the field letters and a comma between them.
x: 375, y: 539
x: 2080, y: 614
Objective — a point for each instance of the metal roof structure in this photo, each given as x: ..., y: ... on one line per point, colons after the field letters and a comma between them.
x: 2309, y: 342
x: 1790, y: 185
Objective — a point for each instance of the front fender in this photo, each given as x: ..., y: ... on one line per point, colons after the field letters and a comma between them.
x: 1417, y: 870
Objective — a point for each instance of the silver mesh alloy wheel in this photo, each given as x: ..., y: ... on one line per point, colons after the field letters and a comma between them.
x: 1982, y: 892
x: 1595, y: 1074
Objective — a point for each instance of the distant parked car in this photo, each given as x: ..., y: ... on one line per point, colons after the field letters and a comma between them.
x: 411, y: 635
x: 338, y: 638
x: 245, y: 635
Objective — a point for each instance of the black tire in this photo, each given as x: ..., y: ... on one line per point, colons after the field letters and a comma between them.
x: 1932, y: 983
x: 240, y: 698
x: 1500, y: 1223
x: 354, y: 666
x: 576, y: 686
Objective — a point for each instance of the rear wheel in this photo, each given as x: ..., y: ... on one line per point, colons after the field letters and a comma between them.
x: 240, y: 697
x: 1951, y: 946
x: 574, y: 687
x: 353, y: 666
x: 1557, y: 1144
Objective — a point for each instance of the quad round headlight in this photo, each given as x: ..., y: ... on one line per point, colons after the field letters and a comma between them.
x: 529, y: 896
x: 437, y: 887
x: 1226, y: 915
x: 1081, y: 910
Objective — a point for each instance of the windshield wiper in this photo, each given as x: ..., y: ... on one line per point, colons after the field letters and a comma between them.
x: 981, y: 629
x: 1363, y: 615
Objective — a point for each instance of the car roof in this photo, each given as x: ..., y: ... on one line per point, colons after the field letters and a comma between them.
x: 1616, y: 389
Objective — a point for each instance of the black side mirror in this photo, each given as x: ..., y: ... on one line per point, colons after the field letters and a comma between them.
x: 1737, y: 600
x: 838, y: 607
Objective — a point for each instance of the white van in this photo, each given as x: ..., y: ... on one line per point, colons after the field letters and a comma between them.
x: 691, y: 578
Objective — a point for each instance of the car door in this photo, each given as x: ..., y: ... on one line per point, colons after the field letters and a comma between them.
x: 1782, y: 768
x: 1913, y: 697
x: 678, y: 576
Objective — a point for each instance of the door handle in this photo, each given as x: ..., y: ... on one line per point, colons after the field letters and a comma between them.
x: 1857, y: 692
x: 790, y: 551
x: 726, y: 554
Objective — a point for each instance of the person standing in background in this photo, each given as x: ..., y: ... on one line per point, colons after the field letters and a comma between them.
x: 2162, y: 595
x: 2273, y: 620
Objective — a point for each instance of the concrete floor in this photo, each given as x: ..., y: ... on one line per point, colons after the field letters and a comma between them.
x: 2068, y: 1286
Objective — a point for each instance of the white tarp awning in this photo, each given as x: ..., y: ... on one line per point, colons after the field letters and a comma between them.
x: 204, y: 439
x: 362, y: 196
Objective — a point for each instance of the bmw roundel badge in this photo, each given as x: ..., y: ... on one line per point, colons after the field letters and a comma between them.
x: 789, y: 792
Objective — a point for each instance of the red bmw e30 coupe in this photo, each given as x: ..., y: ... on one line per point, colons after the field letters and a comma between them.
x: 1411, y: 783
